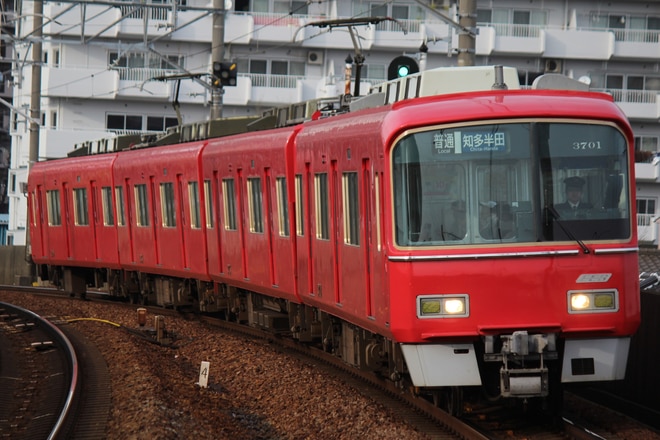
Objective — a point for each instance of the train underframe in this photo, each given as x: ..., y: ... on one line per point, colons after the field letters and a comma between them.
x: 526, y: 367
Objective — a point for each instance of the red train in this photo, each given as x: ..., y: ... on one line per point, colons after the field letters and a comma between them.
x: 421, y: 232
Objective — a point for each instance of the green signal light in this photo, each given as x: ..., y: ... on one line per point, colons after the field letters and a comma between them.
x: 403, y: 71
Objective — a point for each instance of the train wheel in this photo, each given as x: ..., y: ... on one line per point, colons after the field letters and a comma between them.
x: 453, y: 401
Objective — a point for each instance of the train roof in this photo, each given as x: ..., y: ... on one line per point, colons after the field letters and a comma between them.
x: 440, y: 81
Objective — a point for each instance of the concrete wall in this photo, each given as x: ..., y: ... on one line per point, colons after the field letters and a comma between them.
x: 14, y: 270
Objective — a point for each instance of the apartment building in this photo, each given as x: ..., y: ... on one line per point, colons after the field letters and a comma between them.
x: 100, y: 60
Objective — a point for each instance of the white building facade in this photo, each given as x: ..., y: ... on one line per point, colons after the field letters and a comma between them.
x: 100, y: 58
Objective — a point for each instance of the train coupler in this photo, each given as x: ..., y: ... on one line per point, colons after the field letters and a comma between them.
x: 526, y: 382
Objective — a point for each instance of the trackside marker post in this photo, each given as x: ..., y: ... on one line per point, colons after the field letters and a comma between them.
x: 204, y: 374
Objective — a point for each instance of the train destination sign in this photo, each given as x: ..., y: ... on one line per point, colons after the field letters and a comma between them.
x: 457, y: 142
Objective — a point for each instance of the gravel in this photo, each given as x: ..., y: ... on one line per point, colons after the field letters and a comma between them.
x: 254, y: 392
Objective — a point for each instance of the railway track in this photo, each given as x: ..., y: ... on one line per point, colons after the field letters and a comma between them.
x: 427, y: 418
x: 55, y: 384
x: 39, y: 376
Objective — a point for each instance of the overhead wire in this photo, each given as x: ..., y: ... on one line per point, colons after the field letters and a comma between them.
x: 132, y: 47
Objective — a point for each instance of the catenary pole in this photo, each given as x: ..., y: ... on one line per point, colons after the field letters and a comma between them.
x: 217, y: 54
x: 467, y: 18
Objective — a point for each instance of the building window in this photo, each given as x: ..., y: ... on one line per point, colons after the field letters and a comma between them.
x: 208, y: 194
x: 645, y: 211
x: 647, y: 143
x: 106, y: 201
x: 193, y: 195
x: 229, y: 198
x: 54, y: 213
x: 160, y: 123
x: 321, y: 206
x: 273, y: 73
x: 80, y: 212
x: 282, y: 207
x: 141, y: 205
x: 119, y: 201
x: 167, y: 206
x: 123, y: 122
x: 255, y: 204
x: 141, y: 66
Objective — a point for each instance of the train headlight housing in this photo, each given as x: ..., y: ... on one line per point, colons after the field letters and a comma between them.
x: 443, y: 306
x: 593, y: 301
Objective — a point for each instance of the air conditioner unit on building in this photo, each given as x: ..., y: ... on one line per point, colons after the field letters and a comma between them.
x: 553, y: 66
x: 314, y: 57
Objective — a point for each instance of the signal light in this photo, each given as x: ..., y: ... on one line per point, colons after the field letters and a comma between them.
x: 402, y: 66
x: 224, y: 74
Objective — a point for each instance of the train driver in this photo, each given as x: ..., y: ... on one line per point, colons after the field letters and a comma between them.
x: 573, y: 206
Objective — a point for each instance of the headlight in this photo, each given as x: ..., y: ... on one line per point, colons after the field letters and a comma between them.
x: 593, y: 301
x: 442, y: 306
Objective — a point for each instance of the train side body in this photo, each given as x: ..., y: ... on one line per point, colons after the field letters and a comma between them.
x: 341, y: 265
x: 251, y: 242
x: 70, y: 223
x: 163, y: 231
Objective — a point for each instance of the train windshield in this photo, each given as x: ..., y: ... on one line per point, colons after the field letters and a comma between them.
x: 511, y: 182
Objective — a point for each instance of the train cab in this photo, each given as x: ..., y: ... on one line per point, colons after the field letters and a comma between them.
x: 493, y: 273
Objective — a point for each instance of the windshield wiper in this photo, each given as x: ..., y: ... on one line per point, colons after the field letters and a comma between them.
x: 569, y: 234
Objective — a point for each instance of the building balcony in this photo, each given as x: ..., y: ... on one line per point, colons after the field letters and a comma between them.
x: 639, y: 105
x: 578, y: 41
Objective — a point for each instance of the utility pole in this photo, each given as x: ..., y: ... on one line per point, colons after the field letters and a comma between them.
x: 217, y: 55
x: 467, y: 19
x: 35, y: 101
x: 35, y: 85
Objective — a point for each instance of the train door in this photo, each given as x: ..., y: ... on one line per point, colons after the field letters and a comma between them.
x: 270, y: 228
x: 243, y: 224
x: 334, y: 215
x: 213, y: 222
x: 365, y: 204
x: 303, y: 230
x: 38, y: 240
x: 352, y: 233
x: 94, y: 221
x: 324, y: 247
x: 180, y: 199
x: 68, y: 220
x: 154, y: 217
x: 126, y: 206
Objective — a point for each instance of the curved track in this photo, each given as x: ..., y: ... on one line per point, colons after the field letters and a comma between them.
x: 38, y: 376
x: 55, y: 383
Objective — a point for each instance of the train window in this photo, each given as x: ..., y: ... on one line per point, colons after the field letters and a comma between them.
x: 229, y: 198
x: 511, y: 182
x: 282, y: 207
x: 300, y: 208
x: 81, y: 215
x: 54, y: 213
x: 168, y: 213
x: 119, y: 202
x: 255, y: 204
x: 351, y: 211
x: 208, y: 194
x: 193, y: 195
x: 321, y: 206
x: 141, y: 205
x: 106, y: 201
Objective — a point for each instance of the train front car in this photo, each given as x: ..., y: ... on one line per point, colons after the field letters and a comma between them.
x: 513, y: 256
